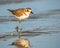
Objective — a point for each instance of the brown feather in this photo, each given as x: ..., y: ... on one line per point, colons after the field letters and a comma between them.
x: 17, y: 12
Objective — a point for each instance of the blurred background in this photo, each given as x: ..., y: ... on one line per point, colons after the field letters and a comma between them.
x: 13, y: 1
x: 42, y: 28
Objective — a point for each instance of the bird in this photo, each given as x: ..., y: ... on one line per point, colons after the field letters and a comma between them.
x: 21, y: 14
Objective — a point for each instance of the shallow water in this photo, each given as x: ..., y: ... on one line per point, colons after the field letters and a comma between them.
x: 42, y: 29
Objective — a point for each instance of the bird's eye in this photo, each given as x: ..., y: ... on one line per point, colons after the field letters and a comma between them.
x: 27, y: 10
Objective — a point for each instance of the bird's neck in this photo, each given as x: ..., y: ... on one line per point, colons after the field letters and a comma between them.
x: 27, y: 13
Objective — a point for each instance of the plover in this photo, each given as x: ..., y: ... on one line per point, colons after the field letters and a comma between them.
x: 21, y: 13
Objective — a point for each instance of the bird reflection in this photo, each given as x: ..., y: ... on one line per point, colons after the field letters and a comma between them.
x: 21, y: 43
x: 19, y: 32
x: 17, y: 28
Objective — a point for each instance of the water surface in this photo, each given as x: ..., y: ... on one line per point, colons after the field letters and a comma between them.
x: 44, y: 24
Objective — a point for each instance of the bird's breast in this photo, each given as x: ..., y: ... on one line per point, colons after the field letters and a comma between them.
x: 22, y: 16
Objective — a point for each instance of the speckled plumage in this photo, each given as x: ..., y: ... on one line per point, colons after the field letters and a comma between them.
x: 21, y: 13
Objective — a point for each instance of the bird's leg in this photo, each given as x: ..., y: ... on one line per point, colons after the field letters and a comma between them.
x: 17, y: 29
x: 20, y: 33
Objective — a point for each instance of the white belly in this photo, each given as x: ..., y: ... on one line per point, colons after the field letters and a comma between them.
x: 22, y: 17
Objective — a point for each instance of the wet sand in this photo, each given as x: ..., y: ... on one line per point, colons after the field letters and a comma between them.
x: 46, y: 34
x: 42, y: 29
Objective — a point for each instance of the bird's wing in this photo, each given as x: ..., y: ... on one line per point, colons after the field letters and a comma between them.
x: 17, y: 12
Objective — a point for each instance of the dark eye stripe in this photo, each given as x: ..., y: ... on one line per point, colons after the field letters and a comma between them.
x: 27, y: 10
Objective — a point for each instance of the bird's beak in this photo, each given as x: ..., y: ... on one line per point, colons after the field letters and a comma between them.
x: 32, y: 12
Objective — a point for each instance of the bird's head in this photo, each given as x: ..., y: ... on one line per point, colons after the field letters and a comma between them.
x: 29, y: 10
